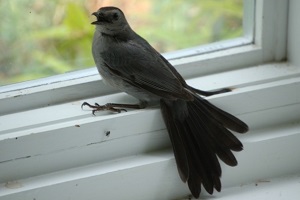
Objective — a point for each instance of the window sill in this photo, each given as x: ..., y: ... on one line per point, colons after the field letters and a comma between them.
x: 276, y: 188
x: 64, y: 151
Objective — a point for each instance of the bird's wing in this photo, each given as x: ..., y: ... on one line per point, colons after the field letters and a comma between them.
x: 140, y: 65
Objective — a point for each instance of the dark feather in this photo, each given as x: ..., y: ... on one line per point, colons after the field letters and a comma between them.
x: 177, y: 143
x: 143, y: 68
x: 226, y: 119
x: 203, y: 137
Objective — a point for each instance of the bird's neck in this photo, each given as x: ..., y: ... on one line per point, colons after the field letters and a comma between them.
x: 120, y: 35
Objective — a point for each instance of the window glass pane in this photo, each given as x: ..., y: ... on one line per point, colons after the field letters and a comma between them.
x: 40, y: 38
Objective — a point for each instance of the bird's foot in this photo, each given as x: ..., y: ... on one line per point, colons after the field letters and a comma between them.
x: 108, y: 106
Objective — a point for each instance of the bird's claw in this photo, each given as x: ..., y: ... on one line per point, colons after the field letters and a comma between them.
x: 98, y: 107
x: 85, y: 104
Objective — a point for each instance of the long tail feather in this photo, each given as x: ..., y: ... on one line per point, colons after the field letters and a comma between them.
x: 177, y: 143
x: 199, y: 133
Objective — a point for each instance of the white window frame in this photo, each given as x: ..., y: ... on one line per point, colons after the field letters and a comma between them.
x: 218, y: 56
x: 51, y: 149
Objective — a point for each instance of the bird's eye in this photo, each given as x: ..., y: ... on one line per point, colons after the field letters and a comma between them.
x: 115, y: 16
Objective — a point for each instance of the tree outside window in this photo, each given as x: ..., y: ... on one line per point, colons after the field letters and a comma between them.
x: 40, y: 38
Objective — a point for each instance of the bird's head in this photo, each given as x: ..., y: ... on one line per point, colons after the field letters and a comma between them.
x: 110, y: 20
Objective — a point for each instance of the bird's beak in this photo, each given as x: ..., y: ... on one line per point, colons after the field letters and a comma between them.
x: 96, y: 14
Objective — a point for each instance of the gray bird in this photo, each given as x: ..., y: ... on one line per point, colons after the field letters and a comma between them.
x: 199, y: 131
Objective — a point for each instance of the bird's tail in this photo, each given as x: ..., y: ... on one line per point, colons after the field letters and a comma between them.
x: 199, y: 133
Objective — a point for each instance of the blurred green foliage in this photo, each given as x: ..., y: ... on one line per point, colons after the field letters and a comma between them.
x: 182, y: 24
x: 40, y: 38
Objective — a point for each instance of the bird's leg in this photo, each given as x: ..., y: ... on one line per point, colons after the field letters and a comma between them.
x: 114, y: 107
x: 210, y: 93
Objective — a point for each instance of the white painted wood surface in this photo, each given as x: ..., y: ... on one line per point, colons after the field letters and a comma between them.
x: 44, y: 154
